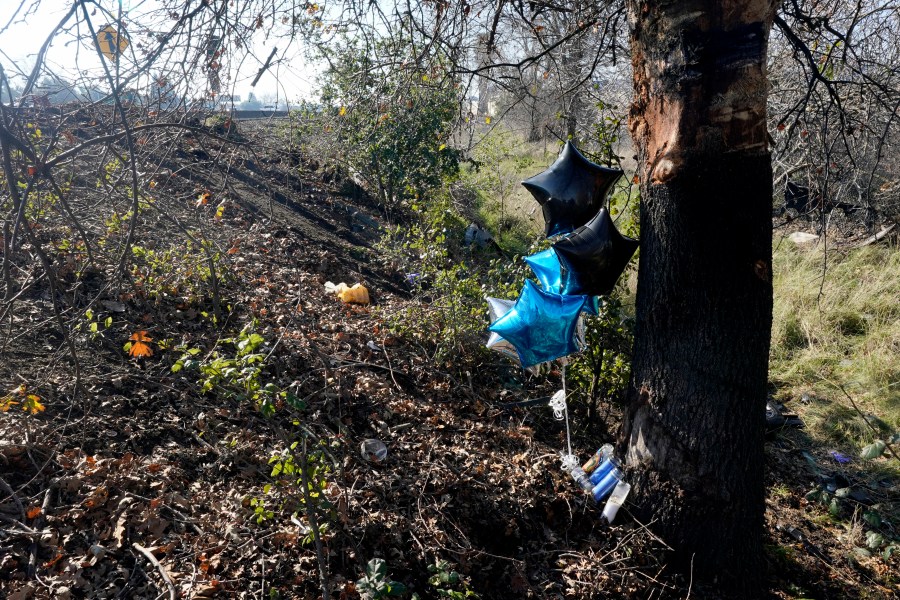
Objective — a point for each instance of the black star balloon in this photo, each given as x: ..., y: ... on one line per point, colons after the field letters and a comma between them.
x: 571, y: 191
x: 592, y: 259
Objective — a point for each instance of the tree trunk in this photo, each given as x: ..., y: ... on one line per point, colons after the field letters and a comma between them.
x: 693, y: 432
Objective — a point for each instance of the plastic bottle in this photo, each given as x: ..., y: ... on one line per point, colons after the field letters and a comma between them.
x: 582, y: 479
x: 609, y: 463
x: 594, y: 461
x: 606, y: 485
x: 616, y: 500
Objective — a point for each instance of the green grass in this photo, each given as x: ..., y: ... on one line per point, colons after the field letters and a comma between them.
x: 498, y: 200
x: 837, y: 323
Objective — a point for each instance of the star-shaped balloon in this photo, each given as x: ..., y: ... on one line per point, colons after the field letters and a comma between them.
x: 545, y: 266
x: 571, y: 190
x: 593, y: 258
x: 496, y: 309
x: 541, y: 325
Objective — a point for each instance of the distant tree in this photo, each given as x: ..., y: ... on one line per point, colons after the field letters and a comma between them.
x: 835, y: 106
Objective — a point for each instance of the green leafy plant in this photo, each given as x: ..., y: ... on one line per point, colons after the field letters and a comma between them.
x: 878, y: 447
x: 236, y: 369
x: 448, y: 583
x: 602, y: 370
x: 94, y: 326
x: 285, y: 493
x: 448, y: 309
x: 260, y: 512
x: 376, y: 584
x: 183, y: 272
x: 391, y: 125
x: 868, y: 522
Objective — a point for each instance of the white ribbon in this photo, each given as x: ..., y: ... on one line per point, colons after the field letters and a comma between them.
x: 561, y: 412
x: 558, y: 404
x: 569, y: 462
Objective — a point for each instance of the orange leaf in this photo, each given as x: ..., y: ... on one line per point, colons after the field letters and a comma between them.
x: 203, y: 199
x: 140, y: 348
x: 32, y: 171
x: 50, y: 563
x: 33, y: 404
x: 33, y: 512
x: 7, y: 402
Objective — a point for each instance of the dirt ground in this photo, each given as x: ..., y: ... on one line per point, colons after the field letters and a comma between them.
x: 138, y: 483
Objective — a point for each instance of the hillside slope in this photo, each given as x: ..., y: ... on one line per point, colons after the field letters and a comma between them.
x: 180, y: 473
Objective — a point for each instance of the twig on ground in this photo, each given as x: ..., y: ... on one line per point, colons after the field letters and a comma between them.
x: 38, y: 523
x: 12, y: 494
x: 173, y: 593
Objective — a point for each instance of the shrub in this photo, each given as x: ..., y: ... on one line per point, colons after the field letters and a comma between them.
x: 391, y: 125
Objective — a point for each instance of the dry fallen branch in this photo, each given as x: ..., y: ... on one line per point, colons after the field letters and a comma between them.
x: 173, y: 593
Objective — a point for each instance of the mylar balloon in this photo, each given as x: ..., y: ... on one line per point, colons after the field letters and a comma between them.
x: 579, y: 333
x: 593, y: 258
x: 496, y: 309
x: 571, y: 191
x: 545, y: 266
x: 541, y: 325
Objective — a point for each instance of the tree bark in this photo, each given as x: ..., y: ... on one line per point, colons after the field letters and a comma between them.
x: 693, y: 432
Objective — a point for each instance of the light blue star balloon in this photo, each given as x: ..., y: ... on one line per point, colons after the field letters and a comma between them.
x: 541, y: 325
x: 546, y: 267
x: 497, y: 307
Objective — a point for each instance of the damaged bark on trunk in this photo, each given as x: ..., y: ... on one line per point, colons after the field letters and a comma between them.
x: 693, y: 433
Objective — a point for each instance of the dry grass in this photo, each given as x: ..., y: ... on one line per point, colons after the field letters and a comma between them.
x: 837, y: 323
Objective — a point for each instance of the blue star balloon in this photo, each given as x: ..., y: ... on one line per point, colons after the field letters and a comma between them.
x: 541, y: 325
x: 546, y: 268
x: 498, y: 307
x: 571, y: 190
x: 593, y: 258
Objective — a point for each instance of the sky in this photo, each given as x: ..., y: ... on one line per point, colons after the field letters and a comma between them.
x: 73, y: 58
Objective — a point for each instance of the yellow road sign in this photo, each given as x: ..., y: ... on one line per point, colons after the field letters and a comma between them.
x: 111, y: 42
